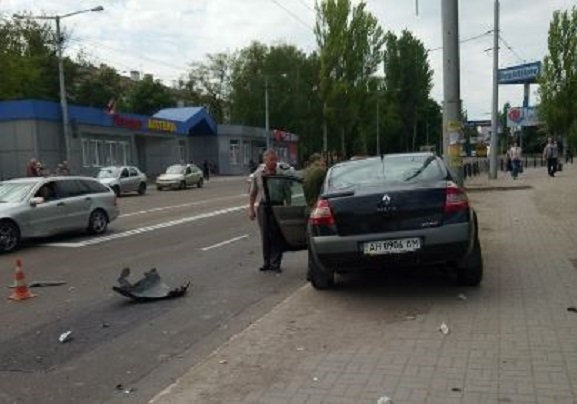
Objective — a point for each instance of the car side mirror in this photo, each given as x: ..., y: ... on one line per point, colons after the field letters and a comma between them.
x: 37, y: 200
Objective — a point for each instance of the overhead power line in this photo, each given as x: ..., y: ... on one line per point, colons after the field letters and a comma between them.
x: 512, y: 50
x: 473, y: 38
x: 294, y: 15
x: 307, y: 6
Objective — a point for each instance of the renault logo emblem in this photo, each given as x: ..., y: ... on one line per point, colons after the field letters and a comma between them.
x: 386, y: 199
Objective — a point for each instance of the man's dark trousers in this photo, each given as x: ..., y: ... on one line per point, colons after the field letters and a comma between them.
x: 552, y: 166
x: 271, y: 240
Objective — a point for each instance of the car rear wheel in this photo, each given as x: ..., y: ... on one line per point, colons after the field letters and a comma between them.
x: 98, y: 222
x: 200, y: 183
x: 320, y: 279
x: 470, y: 271
x: 9, y: 236
x: 142, y: 188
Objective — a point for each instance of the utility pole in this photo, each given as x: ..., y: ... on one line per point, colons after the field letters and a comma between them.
x: 452, y: 133
x: 63, y: 100
x: 325, y: 135
x: 494, y: 152
x: 266, y: 121
x: 378, y: 131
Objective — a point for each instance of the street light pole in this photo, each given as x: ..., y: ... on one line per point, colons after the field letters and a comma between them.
x: 62, y: 83
x: 266, y: 119
x: 63, y: 100
x: 495, y: 110
x: 378, y: 132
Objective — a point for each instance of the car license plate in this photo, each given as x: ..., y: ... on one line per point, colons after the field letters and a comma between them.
x: 396, y: 246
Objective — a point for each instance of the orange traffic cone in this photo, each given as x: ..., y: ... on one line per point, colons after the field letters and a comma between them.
x: 21, y: 291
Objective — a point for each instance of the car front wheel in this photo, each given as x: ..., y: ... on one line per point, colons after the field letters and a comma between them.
x: 9, y: 236
x: 320, y: 279
x: 142, y: 188
x: 200, y: 183
x: 98, y: 222
x: 470, y: 271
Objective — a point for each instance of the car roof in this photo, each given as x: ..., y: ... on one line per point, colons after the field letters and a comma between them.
x: 35, y: 180
x: 372, y: 158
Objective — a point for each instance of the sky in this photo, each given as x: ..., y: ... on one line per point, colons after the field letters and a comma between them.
x: 163, y: 37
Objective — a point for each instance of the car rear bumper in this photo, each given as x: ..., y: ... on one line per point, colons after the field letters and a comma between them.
x: 449, y: 243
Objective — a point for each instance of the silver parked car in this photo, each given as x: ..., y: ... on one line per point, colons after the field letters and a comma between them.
x: 180, y: 176
x: 39, y: 207
x: 123, y: 179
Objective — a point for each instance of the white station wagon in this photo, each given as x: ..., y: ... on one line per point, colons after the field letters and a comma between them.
x: 40, y: 207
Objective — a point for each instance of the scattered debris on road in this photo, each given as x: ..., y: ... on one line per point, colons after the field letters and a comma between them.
x: 40, y: 284
x: 65, y: 337
x: 121, y: 387
x: 410, y: 317
x: 149, y: 288
x: 385, y: 400
x: 444, y: 328
x: 223, y: 362
x: 572, y: 309
x: 456, y: 390
x: 462, y: 297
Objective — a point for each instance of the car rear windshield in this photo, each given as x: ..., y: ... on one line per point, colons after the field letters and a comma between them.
x: 177, y: 169
x: 108, y: 172
x: 13, y: 192
x: 389, y: 170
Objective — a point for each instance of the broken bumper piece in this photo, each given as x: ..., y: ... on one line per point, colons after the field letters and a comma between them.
x: 149, y: 288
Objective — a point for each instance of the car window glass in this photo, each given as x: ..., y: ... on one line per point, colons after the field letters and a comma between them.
x: 390, y: 169
x: 92, y: 187
x: 47, y: 191
x: 124, y: 173
x: 68, y: 189
x: 285, y: 191
x: 133, y: 172
x: 188, y: 170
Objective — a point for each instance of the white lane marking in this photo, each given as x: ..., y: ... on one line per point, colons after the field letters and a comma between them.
x: 146, y: 229
x: 184, y: 205
x: 232, y: 240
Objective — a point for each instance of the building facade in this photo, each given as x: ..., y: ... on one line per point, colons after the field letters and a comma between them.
x: 33, y: 129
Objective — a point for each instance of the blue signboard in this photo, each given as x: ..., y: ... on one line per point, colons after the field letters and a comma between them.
x: 474, y: 124
x: 522, y: 74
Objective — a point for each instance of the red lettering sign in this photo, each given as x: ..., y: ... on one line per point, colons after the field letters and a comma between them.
x: 126, y: 122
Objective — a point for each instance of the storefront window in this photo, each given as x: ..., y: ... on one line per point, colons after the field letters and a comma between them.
x: 97, y: 153
x: 246, y: 152
x: 234, y: 154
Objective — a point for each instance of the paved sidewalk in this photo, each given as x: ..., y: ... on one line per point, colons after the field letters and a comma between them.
x: 511, y: 341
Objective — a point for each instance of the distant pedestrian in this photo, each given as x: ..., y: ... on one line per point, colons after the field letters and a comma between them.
x: 62, y: 169
x: 32, y: 168
x: 515, y: 156
x: 568, y: 156
x: 272, y: 246
x: 206, y: 170
x: 252, y: 166
x: 551, y: 154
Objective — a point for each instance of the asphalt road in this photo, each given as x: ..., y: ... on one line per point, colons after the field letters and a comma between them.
x: 124, y: 351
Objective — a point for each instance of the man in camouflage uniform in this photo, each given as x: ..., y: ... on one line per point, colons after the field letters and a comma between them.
x: 313, y: 179
x: 280, y: 194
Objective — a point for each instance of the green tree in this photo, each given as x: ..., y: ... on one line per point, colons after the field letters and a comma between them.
x: 97, y: 86
x: 210, y: 83
x: 558, y: 82
x: 147, y: 96
x: 408, y: 80
x: 350, y: 42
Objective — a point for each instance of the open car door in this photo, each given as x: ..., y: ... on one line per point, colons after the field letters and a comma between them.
x: 286, y: 199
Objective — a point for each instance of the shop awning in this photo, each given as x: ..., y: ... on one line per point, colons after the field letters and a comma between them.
x: 194, y: 120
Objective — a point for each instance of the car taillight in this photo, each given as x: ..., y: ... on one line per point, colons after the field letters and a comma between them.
x: 322, y: 215
x: 456, y: 199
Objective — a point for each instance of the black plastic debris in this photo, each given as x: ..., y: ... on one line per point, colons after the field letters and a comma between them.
x: 572, y: 309
x: 41, y: 284
x: 149, y: 288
